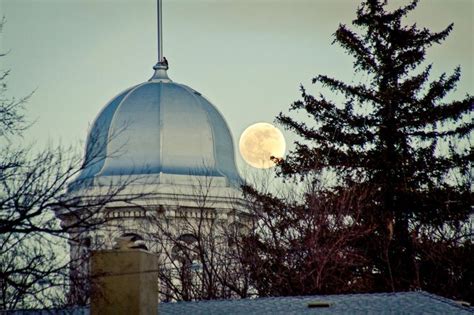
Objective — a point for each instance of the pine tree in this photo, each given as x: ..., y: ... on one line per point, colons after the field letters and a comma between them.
x: 397, y: 136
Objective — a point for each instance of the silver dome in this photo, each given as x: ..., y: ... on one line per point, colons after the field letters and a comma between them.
x: 158, y: 127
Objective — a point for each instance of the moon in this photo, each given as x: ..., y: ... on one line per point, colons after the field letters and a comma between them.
x: 259, y: 142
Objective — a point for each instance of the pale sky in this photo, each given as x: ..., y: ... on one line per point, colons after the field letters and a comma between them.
x: 247, y: 57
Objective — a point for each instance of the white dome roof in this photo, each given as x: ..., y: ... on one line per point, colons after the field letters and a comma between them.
x: 158, y: 127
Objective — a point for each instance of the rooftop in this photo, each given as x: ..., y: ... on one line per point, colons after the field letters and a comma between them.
x: 374, y: 303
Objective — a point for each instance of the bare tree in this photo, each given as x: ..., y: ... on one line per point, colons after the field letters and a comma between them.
x: 33, y: 244
x: 199, y: 245
x: 34, y: 258
x: 307, y: 242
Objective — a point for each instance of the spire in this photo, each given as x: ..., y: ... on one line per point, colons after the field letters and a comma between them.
x: 162, y: 64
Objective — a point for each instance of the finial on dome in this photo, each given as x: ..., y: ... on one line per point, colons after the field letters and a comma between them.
x: 160, y: 73
x: 162, y: 64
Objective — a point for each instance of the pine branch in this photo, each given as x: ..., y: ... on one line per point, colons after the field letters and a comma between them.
x: 356, y: 47
x: 360, y: 92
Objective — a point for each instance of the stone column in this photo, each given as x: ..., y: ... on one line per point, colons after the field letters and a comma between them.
x: 124, y: 282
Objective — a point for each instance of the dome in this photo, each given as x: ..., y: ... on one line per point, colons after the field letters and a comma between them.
x: 158, y: 127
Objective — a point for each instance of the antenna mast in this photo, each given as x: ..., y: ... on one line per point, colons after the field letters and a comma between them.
x: 162, y: 64
x: 159, y: 31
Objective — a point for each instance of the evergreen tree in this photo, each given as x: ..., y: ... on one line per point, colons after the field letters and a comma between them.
x: 397, y: 136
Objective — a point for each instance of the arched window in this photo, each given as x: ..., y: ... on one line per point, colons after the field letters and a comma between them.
x: 185, y: 249
x: 133, y: 236
x: 130, y: 240
x: 234, y: 232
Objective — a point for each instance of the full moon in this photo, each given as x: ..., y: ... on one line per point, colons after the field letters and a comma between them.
x: 259, y: 142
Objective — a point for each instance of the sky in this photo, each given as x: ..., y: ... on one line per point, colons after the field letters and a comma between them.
x: 248, y: 57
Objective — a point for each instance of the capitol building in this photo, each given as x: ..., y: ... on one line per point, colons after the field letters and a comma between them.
x: 160, y: 162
